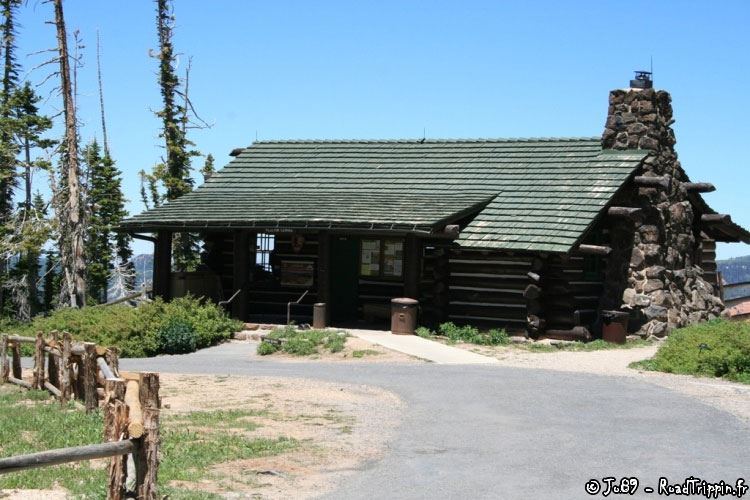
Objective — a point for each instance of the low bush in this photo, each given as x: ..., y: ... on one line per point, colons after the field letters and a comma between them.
x: 302, y: 342
x: 139, y: 331
x: 718, y: 348
x: 472, y: 335
x: 176, y: 337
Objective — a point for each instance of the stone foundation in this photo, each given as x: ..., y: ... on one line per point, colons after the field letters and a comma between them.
x: 665, y: 288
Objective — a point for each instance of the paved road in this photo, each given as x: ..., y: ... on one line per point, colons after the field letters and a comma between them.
x: 485, y: 431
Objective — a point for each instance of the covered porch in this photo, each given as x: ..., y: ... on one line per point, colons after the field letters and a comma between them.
x: 257, y: 274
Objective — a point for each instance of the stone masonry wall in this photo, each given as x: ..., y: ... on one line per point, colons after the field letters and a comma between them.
x: 665, y: 287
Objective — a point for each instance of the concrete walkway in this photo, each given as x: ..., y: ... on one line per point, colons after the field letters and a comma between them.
x: 423, y: 348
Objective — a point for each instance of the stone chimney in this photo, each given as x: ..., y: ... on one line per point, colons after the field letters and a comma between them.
x: 664, y: 287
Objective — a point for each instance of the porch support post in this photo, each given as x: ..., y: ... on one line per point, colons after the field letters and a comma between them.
x: 412, y: 266
x: 324, y: 274
x: 162, y: 264
x: 241, y: 274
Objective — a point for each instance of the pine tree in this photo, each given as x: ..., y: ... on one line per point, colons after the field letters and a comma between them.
x: 208, y: 167
x: 8, y: 147
x: 174, y: 172
x: 106, y: 205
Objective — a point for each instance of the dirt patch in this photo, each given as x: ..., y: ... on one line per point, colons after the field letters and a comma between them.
x: 728, y: 396
x: 339, y: 427
x: 57, y: 494
x: 355, y: 350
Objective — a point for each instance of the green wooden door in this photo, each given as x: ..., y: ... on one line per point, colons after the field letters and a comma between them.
x: 344, y: 278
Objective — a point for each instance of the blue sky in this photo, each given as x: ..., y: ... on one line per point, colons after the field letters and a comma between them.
x: 393, y: 69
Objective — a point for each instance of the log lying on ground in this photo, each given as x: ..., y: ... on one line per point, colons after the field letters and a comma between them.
x: 65, y: 455
x: 51, y: 388
x: 642, y: 180
x: 716, y: 218
x: 20, y: 382
x: 576, y: 333
x: 133, y: 400
x: 699, y: 187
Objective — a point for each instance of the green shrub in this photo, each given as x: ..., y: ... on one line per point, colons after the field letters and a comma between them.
x: 472, y: 335
x: 718, y: 348
x: 136, y: 330
x: 306, y: 342
x: 424, y: 332
x: 177, y: 337
x: 498, y: 336
x: 266, y: 348
x: 335, y: 342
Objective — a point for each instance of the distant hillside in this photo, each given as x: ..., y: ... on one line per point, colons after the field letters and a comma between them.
x: 736, y: 270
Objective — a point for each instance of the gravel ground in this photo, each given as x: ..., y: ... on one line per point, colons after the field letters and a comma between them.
x: 507, y: 432
x: 728, y: 396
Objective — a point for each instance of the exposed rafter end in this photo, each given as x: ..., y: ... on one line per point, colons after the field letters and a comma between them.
x: 645, y: 181
x: 594, y: 249
x: 143, y: 237
x: 699, y: 187
x: 716, y: 218
x: 625, y: 212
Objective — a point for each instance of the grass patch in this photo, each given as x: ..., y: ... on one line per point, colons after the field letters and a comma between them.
x: 365, y: 352
x: 594, y: 345
x: 192, y: 443
x: 719, y: 348
x: 302, y: 342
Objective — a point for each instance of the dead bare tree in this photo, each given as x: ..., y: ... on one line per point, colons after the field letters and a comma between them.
x: 71, y: 248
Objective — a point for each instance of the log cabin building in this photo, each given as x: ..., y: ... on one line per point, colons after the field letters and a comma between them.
x: 533, y: 235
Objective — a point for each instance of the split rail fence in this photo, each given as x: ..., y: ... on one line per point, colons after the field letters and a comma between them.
x: 83, y: 371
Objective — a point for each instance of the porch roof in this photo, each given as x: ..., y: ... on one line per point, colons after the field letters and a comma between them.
x: 523, y: 194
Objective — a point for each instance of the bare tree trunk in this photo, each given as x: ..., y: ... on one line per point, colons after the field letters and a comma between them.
x: 105, y: 142
x: 72, y: 249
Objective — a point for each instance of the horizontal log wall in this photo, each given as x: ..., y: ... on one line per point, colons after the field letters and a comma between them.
x: 486, y: 288
x: 707, y: 260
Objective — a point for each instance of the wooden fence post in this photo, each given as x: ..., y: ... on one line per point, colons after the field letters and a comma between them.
x: 53, y: 363
x: 65, y: 369
x: 89, y: 376
x: 16, y: 351
x: 38, y: 380
x: 147, y: 456
x: 4, y: 363
x: 115, y: 429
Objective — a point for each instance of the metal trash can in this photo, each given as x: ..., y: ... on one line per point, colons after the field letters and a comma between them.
x: 615, y: 326
x: 319, y: 315
x: 404, y: 316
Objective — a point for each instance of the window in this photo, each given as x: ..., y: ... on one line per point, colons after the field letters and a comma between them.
x: 382, y: 258
x: 264, y: 245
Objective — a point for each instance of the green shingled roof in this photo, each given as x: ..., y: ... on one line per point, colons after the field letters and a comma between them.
x: 527, y: 194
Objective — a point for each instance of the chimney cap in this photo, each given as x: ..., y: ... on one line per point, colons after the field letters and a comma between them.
x: 642, y: 80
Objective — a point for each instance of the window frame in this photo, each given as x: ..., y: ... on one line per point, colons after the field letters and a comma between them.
x: 381, y: 258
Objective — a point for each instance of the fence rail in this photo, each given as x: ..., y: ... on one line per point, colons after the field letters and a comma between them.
x: 84, y: 371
